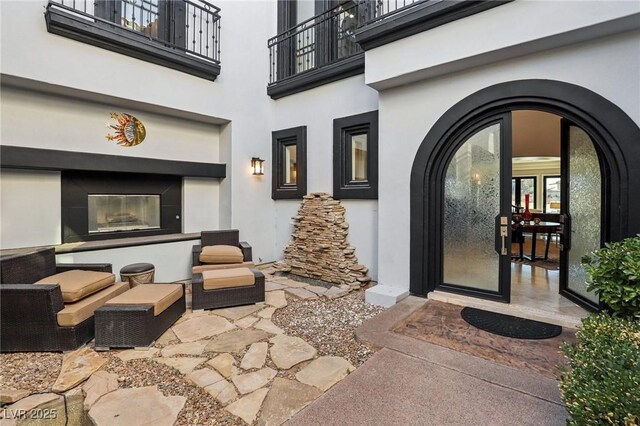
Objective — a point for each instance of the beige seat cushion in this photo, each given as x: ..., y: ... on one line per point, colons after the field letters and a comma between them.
x: 227, y: 278
x: 213, y: 267
x: 161, y: 296
x: 77, y: 284
x: 221, y: 254
x: 74, y: 313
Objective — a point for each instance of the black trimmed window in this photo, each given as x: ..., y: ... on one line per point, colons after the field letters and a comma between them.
x: 289, y: 173
x: 522, y: 185
x: 551, y: 194
x: 355, y: 156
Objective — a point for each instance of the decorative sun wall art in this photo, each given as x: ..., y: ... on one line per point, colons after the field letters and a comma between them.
x: 128, y: 132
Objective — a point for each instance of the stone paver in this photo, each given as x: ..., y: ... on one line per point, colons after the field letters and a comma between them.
x: 201, y: 327
x: 136, y: 406
x: 130, y: 354
x: 9, y: 396
x: 26, y: 405
x: 237, y: 312
x: 302, y: 293
x: 335, y: 292
x: 255, y: 356
x: 100, y: 383
x: 223, y: 363
x: 249, y: 382
x: 167, y: 337
x: 247, y: 322
x: 286, y: 398
x: 222, y: 391
x: 325, y: 372
x: 204, y: 377
x: 184, y: 364
x: 272, y: 286
x: 248, y: 406
x: 268, y: 326
x: 288, y: 351
x: 77, y: 366
x: 275, y: 298
x: 236, y: 341
x: 292, y: 283
x: 267, y: 312
x: 191, y: 348
x: 317, y: 289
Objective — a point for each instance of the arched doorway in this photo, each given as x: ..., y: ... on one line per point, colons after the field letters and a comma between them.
x: 615, y: 141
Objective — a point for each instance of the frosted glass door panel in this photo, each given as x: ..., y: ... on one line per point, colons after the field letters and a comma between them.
x: 472, y: 201
x: 585, y: 191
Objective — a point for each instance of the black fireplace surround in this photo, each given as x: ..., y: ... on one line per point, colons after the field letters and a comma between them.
x: 78, y: 185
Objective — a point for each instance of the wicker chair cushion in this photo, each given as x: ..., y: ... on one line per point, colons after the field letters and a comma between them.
x: 227, y: 278
x: 74, y: 313
x: 213, y: 267
x: 76, y: 284
x: 221, y: 254
x: 161, y: 296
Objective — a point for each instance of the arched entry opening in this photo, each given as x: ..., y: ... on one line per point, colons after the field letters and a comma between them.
x: 486, y: 116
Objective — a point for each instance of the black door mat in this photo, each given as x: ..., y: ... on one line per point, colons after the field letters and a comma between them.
x: 509, y: 326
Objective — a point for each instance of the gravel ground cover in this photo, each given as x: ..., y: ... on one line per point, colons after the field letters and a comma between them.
x: 200, y: 408
x: 329, y: 325
x: 35, y: 371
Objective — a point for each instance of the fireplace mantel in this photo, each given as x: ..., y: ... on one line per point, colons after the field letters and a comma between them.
x: 17, y: 157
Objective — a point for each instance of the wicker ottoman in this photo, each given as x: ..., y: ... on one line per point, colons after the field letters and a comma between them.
x: 223, y: 288
x: 138, y: 273
x: 136, y: 318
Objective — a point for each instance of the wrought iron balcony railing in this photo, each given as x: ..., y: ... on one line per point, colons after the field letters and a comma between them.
x: 189, y: 26
x: 326, y: 38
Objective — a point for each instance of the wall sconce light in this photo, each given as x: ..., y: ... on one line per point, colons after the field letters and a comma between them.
x: 257, y: 166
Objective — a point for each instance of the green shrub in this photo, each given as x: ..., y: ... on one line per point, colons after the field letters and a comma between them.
x: 614, y: 275
x: 602, y: 384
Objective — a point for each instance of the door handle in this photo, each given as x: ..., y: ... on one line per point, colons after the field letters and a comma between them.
x: 504, y: 233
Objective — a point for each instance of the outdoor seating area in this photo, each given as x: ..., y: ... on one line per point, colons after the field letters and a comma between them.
x: 59, y: 307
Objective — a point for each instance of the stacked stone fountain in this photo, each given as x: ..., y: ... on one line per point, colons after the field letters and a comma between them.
x: 319, y: 248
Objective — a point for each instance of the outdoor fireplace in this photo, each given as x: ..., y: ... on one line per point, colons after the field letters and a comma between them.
x: 100, y: 206
x: 113, y: 213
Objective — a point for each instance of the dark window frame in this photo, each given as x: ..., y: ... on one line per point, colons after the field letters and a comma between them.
x: 544, y: 189
x: 107, y: 33
x: 343, y: 129
x: 280, y: 140
x: 518, y: 194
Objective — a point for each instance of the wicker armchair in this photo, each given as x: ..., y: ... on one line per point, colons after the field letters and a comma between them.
x: 229, y: 237
x: 28, y: 313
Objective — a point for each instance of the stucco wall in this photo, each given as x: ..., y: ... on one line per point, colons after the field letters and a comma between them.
x: 402, y: 129
x: 316, y: 109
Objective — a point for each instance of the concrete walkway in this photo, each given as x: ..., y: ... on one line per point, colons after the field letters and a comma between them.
x: 415, y: 382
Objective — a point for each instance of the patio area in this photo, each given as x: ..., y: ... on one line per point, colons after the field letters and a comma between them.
x: 255, y: 363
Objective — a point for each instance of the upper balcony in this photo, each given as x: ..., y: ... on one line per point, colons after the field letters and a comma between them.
x: 181, y: 34
x: 329, y: 46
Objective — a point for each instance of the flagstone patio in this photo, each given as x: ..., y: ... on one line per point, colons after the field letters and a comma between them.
x: 226, y: 366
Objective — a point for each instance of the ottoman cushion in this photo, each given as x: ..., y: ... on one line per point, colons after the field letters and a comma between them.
x: 198, y: 269
x: 77, y: 284
x: 137, y: 268
x: 227, y: 278
x: 221, y: 254
x: 74, y: 313
x: 160, y: 296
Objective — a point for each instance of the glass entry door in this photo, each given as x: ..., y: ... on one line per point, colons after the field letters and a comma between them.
x: 477, y: 209
x: 581, y: 199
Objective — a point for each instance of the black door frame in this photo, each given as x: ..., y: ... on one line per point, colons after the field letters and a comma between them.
x: 503, y: 293
x: 613, y: 132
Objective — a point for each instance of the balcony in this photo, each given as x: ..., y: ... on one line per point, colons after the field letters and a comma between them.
x: 323, y: 48
x: 330, y: 46
x: 182, y: 34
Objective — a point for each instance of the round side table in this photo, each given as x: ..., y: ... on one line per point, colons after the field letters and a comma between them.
x: 138, y: 273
